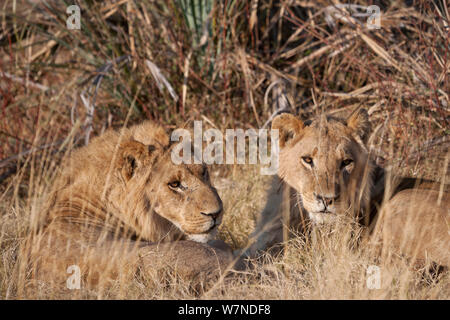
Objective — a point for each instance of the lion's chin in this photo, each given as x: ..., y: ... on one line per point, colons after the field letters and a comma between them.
x: 202, y: 238
x: 322, y: 218
x: 199, y: 237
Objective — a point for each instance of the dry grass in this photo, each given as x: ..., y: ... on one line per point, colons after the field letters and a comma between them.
x: 229, y: 73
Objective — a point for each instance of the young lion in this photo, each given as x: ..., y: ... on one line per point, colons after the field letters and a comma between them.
x: 326, y: 174
x: 120, y: 205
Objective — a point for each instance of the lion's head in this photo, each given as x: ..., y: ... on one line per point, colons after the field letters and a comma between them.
x: 326, y: 161
x: 132, y: 175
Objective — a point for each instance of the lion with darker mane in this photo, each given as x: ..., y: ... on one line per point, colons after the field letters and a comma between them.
x: 120, y: 205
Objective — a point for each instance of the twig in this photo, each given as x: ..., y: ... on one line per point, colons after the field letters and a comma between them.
x: 281, y: 101
x: 25, y: 83
x: 90, y: 106
x: 5, y: 162
x: 428, y: 145
x: 160, y: 79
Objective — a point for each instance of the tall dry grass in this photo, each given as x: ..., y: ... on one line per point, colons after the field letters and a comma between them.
x: 230, y: 64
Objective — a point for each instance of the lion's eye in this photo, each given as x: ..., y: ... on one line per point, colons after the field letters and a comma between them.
x: 346, y: 162
x: 307, y: 160
x: 174, y: 184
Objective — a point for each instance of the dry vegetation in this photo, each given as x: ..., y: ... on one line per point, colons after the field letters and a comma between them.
x: 232, y: 64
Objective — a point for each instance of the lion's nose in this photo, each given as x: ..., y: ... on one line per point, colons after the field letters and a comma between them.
x: 327, y: 201
x: 213, y: 215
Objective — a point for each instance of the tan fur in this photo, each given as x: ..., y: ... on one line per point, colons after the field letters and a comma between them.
x: 116, y: 207
x: 333, y: 188
x: 416, y: 223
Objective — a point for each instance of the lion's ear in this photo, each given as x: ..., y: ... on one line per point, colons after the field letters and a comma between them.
x: 133, y: 155
x: 288, y: 127
x: 359, y: 122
